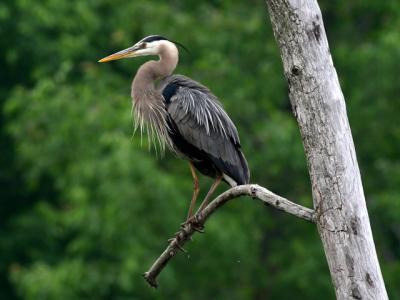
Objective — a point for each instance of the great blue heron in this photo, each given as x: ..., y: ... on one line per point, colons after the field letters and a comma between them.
x: 184, y: 115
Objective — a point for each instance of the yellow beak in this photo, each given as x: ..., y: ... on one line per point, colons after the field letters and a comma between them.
x: 129, y: 52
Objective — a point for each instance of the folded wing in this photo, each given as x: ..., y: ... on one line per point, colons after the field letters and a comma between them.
x: 209, y: 136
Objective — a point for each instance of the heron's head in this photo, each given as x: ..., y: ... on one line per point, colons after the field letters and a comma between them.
x: 151, y: 45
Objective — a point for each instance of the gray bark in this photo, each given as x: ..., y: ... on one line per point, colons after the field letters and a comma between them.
x: 319, y: 107
x: 188, y: 229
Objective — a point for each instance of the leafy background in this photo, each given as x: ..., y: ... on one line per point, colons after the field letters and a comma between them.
x: 85, y: 209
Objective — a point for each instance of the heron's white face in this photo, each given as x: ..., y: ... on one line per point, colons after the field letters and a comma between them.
x: 147, y: 48
x: 142, y: 48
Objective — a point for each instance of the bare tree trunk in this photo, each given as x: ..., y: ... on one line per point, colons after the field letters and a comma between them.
x: 318, y: 104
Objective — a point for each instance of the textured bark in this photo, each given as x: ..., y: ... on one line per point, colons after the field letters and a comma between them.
x: 319, y: 107
x: 188, y: 229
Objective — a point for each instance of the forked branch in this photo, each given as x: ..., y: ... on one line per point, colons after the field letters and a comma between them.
x: 253, y: 190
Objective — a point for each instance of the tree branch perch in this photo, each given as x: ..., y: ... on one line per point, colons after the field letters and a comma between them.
x: 253, y: 190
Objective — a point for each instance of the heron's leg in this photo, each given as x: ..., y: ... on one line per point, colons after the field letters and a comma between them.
x: 196, y: 190
x: 215, y: 184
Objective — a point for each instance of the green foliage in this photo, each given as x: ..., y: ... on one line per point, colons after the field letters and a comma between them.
x: 86, y: 209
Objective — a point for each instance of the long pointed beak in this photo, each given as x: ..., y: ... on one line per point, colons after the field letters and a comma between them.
x: 128, y: 52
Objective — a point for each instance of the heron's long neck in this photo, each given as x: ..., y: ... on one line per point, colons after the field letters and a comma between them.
x: 148, y: 104
x: 151, y: 71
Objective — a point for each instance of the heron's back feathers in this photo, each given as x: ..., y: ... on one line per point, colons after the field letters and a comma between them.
x: 202, y: 131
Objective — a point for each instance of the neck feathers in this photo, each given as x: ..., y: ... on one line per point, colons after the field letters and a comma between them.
x: 169, y: 57
x: 151, y: 71
x: 148, y: 105
x: 155, y: 70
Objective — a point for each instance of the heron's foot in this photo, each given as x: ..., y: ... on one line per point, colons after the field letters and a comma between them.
x: 194, y: 223
x: 190, y: 220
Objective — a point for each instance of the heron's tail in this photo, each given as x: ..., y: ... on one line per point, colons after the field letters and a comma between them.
x: 245, y: 171
x: 235, y: 174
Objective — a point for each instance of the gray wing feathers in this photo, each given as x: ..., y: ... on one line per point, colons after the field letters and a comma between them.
x: 202, y: 121
x: 201, y: 104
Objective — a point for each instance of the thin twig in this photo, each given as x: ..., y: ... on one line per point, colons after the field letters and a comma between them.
x: 187, y: 230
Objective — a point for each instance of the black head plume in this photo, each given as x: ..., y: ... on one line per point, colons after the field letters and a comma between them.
x: 152, y: 38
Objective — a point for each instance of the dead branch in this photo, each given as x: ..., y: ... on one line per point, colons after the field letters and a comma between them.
x: 187, y: 230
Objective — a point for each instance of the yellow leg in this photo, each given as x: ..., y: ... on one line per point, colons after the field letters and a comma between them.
x: 210, y: 192
x: 196, y: 190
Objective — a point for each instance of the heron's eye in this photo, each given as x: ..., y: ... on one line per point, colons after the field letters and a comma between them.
x: 143, y: 46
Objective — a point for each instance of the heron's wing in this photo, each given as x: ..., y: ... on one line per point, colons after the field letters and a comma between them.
x: 202, y: 122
